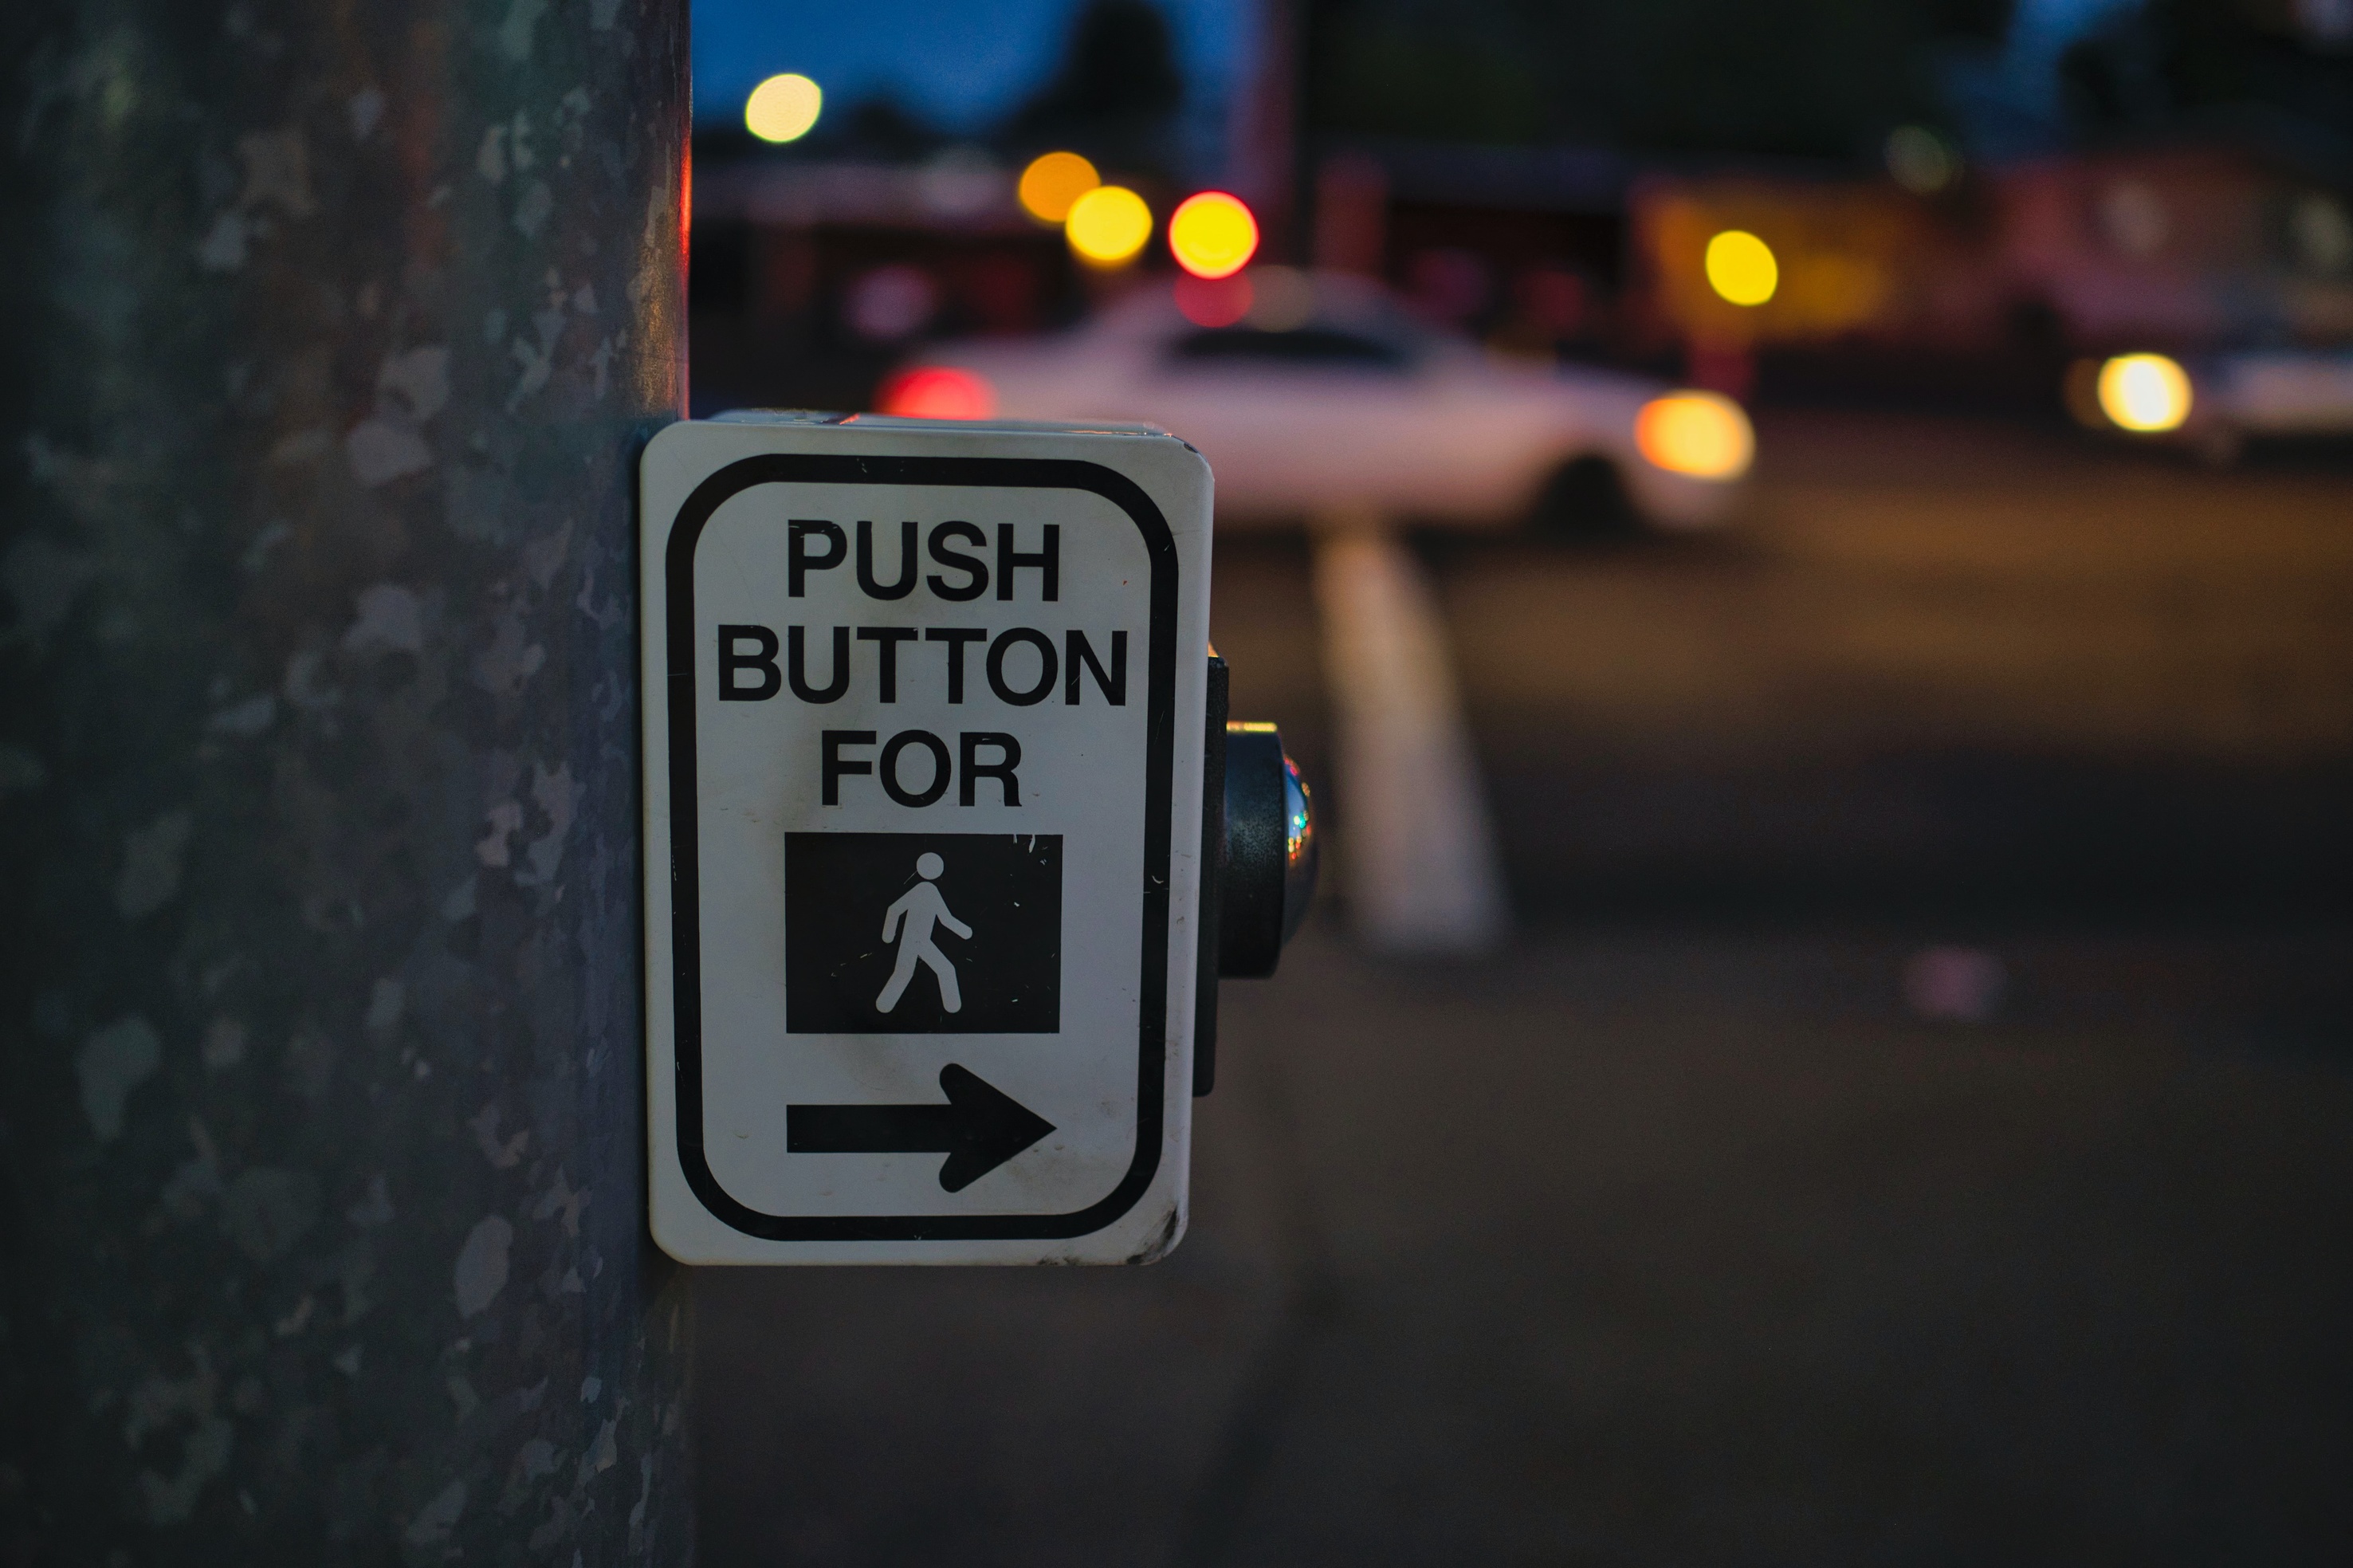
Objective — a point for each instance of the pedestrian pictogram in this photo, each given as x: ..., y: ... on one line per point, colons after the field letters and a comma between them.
x: 910, y: 923
x: 923, y: 933
x: 924, y: 738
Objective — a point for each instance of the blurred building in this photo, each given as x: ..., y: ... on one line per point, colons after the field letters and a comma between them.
x: 1856, y: 262
x: 1522, y: 246
x: 2183, y: 247
x: 2180, y: 247
x: 810, y: 277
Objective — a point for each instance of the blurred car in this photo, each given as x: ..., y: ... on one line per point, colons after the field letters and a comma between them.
x: 2271, y: 392
x: 1320, y: 395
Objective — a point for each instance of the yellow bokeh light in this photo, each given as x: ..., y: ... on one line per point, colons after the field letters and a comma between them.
x: 1053, y: 182
x: 783, y: 107
x: 1108, y: 226
x: 1740, y: 268
x: 2145, y: 392
x: 1212, y: 235
x: 1700, y: 434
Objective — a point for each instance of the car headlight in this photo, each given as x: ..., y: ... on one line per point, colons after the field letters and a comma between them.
x: 1699, y: 434
x: 2145, y: 393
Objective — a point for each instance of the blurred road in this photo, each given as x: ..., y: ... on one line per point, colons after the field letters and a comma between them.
x: 1942, y: 661
x: 1672, y: 1234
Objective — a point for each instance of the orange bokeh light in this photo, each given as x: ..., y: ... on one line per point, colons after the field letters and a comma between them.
x: 1700, y: 434
x: 1053, y: 182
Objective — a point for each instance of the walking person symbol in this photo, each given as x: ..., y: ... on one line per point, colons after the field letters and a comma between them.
x: 919, y: 909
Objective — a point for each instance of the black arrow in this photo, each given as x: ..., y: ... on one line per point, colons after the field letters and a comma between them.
x: 978, y: 1129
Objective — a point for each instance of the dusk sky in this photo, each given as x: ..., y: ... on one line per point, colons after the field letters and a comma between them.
x: 954, y: 62
x: 960, y: 65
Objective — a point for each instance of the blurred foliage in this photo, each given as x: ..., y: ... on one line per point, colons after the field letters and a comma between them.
x: 1393, y: 76
x: 1802, y: 77
x: 879, y: 127
x: 2243, y: 65
x: 1114, y: 97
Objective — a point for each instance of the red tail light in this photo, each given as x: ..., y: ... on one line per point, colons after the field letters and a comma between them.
x: 938, y: 392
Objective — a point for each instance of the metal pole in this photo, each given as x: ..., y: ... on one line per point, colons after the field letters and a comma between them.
x: 335, y: 329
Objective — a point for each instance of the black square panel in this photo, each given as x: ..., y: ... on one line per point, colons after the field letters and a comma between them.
x: 875, y: 942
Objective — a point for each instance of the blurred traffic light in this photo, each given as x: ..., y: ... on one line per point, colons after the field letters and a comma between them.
x: 1053, y: 182
x: 1214, y: 301
x: 937, y: 392
x: 1212, y: 235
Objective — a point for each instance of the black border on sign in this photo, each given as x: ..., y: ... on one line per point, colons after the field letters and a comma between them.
x: 685, y: 843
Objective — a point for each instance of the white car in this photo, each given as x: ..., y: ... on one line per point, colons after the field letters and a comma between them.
x: 1322, y: 396
x: 2270, y: 392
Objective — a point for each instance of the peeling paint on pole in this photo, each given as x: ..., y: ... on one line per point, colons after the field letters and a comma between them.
x: 337, y: 330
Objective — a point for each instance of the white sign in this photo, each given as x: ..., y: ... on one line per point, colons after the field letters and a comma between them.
x: 923, y: 710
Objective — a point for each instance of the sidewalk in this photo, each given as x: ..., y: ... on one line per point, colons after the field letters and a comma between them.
x: 1648, y: 1249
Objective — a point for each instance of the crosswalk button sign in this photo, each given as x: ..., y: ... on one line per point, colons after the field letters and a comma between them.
x: 924, y: 753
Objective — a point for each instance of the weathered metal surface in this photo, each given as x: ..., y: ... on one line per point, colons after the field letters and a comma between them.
x: 336, y: 329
